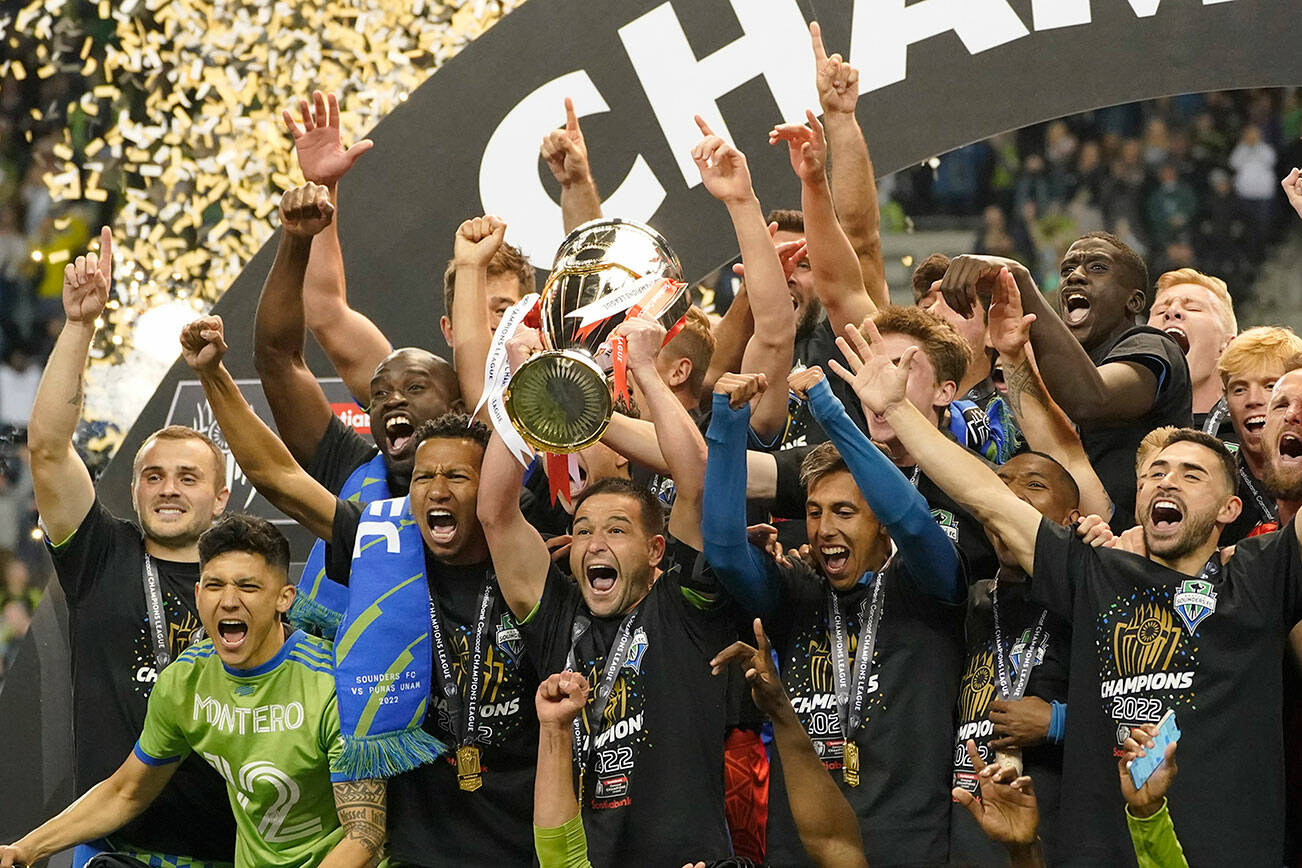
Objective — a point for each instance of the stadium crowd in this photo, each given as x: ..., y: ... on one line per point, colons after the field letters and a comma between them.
x: 826, y: 593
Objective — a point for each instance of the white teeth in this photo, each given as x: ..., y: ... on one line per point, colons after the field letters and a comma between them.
x: 440, y: 512
x: 397, y: 420
x: 1166, y: 504
x: 833, y: 551
x: 1256, y: 420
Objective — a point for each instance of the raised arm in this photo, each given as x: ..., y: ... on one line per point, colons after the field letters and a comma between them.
x: 63, y: 487
x: 880, y: 385
x: 264, y: 459
x: 1115, y: 392
x: 476, y: 241
x: 520, y: 557
x: 925, y: 548
x: 106, y: 807
x: 362, y: 809
x: 1045, y: 427
x: 566, y: 154
x: 854, y: 185
x: 559, y: 700
x: 351, y: 341
x: 826, y: 823
x: 679, y: 439
x: 747, y: 575
x: 297, y: 401
x: 769, y: 350
x: 734, y: 330
x: 837, y: 278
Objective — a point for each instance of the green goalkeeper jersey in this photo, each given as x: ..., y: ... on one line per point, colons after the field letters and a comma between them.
x: 270, y: 731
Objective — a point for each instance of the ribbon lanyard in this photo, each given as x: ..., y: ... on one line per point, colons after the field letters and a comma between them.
x: 614, y: 662
x: 1003, y: 659
x: 1219, y: 412
x: 157, y: 620
x: 850, y: 694
x: 463, y: 726
x: 915, y: 476
x: 1266, y: 506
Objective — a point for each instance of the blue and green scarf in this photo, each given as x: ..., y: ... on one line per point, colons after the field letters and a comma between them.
x: 321, y: 601
x: 383, y: 664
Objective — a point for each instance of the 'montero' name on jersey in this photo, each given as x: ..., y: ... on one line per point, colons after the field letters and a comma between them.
x: 239, y: 721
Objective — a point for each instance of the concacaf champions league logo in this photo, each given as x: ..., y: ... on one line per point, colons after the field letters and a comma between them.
x: 1145, y: 641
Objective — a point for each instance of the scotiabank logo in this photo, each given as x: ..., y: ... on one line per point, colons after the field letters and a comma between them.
x: 352, y: 416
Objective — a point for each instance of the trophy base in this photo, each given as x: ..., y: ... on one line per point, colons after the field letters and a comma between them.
x: 559, y: 401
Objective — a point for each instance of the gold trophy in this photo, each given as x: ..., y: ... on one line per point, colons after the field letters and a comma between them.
x: 560, y: 399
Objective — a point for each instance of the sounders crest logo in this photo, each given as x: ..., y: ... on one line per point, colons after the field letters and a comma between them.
x: 1194, y: 601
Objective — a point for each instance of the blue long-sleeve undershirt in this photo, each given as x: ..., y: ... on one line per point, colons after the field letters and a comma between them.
x: 925, y: 549
x: 751, y: 577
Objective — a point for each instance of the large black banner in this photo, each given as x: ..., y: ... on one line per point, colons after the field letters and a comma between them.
x: 935, y: 74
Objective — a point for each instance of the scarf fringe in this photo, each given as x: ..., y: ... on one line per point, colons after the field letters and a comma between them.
x: 386, y: 754
x: 311, y: 616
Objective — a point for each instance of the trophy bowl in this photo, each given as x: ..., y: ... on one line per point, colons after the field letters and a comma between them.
x: 560, y: 399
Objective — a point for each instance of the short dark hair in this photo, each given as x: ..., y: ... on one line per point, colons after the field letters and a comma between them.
x: 929, y: 271
x: 238, y: 532
x: 788, y: 220
x: 452, y: 426
x: 1132, y: 264
x: 1068, y: 479
x: 1229, y: 461
x: 508, y: 259
x: 652, y: 513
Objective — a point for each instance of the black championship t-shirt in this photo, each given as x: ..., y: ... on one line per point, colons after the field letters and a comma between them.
x: 1111, y: 448
x: 653, y: 780
x: 113, y: 670
x: 902, y: 800
x: 432, y: 821
x: 1031, y: 637
x: 1146, y: 639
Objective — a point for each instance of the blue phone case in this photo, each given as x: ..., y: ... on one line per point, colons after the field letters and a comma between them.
x: 1142, y: 768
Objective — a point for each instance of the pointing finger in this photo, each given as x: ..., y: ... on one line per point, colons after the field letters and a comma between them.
x: 571, y: 119
x: 704, y: 127
x: 816, y: 37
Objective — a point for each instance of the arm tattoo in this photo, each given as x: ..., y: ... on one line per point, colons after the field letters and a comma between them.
x: 1022, y: 380
x: 75, y: 400
x: 361, y: 808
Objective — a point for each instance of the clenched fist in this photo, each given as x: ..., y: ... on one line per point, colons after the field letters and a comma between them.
x: 306, y: 210
x: 203, y: 344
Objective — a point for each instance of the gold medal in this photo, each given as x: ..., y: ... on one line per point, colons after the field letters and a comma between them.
x: 850, y: 763
x: 469, y: 778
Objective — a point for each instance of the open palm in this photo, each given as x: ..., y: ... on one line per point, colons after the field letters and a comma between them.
x: 878, y: 382
x: 321, y: 153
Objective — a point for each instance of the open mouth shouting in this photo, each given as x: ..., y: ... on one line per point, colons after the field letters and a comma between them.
x: 442, y: 525
x: 1290, y: 446
x: 398, y: 429
x: 1075, y: 306
x: 835, y: 558
x: 1178, y: 335
x: 231, y: 633
x: 1255, y: 423
x: 1166, y: 515
x: 602, y: 577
